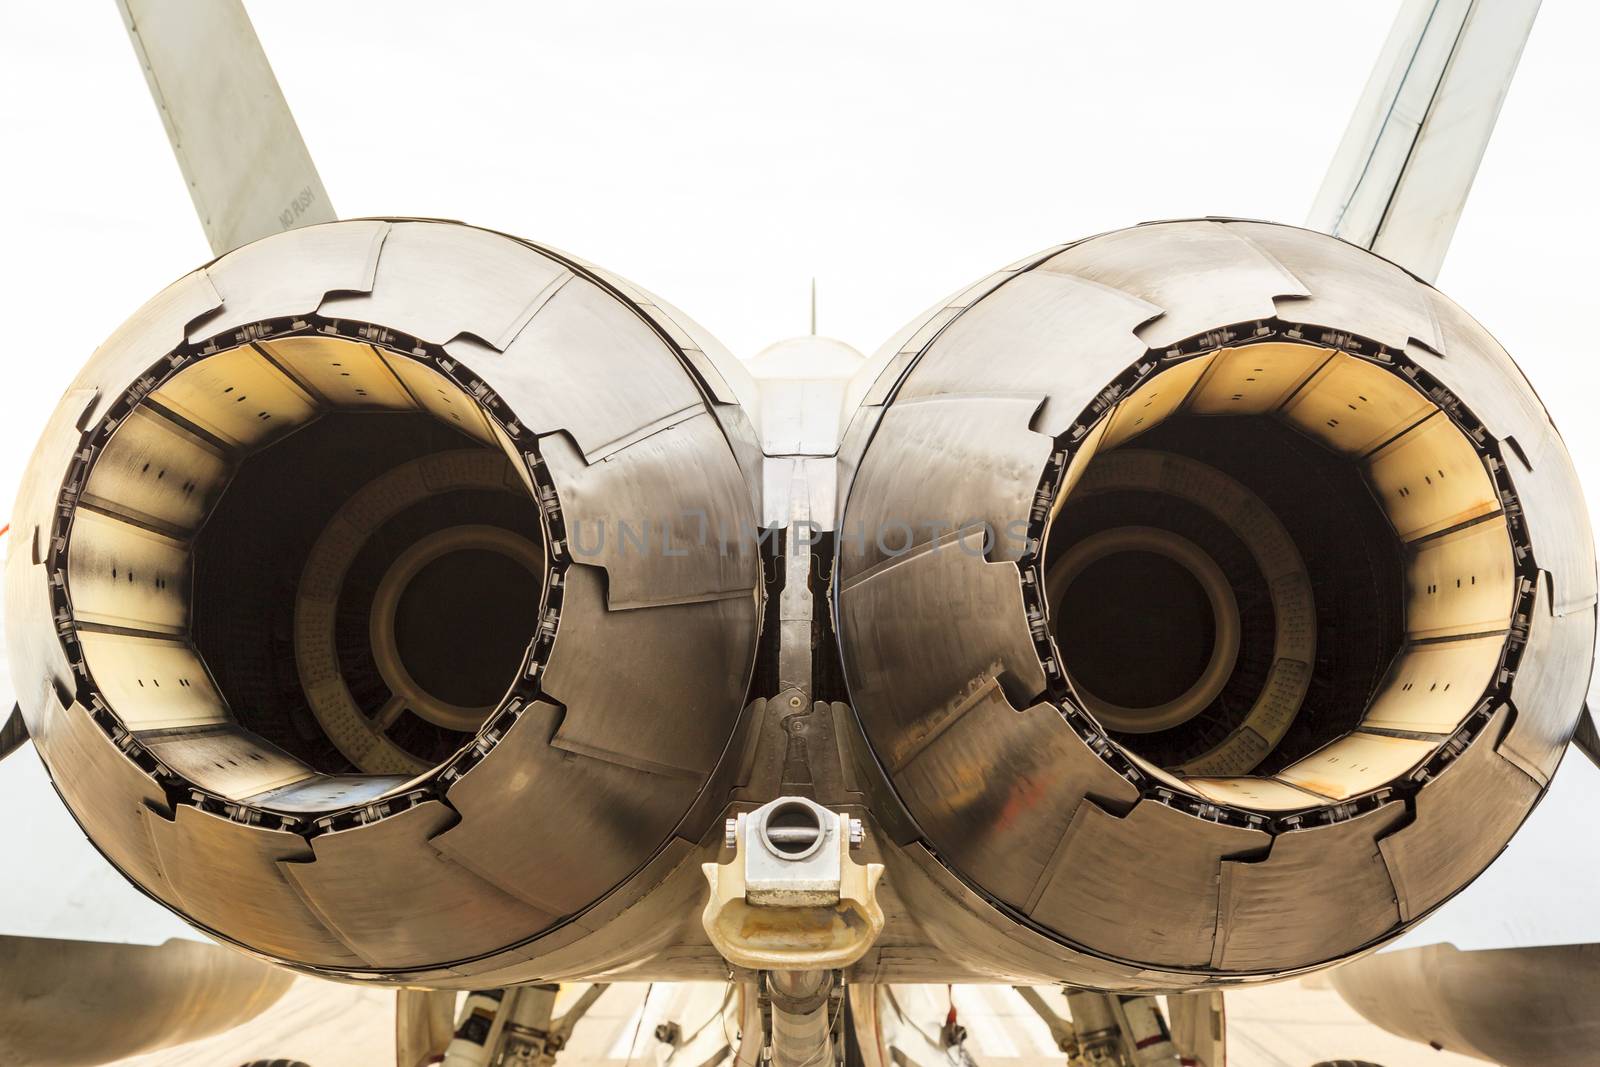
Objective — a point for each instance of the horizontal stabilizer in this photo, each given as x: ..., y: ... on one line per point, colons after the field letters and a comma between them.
x: 13, y: 733
x: 1587, y: 739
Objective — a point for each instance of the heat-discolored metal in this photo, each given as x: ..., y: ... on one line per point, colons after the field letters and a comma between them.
x: 1168, y: 879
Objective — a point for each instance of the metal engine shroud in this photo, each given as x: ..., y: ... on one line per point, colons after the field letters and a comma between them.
x: 325, y: 812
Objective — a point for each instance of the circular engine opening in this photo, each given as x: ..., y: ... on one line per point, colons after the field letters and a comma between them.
x: 445, y: 619
x: 1127, y: 592
x: 1278, y: 561
x: 304, y: 557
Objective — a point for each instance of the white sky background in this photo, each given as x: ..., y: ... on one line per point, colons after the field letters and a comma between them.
x: 723, y: 154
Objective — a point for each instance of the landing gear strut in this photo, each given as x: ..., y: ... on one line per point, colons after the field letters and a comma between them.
x: 514, y: 1027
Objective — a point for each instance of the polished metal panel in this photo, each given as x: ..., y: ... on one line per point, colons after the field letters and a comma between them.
x: 1062, y: 337
x: 970, y: 934
x: 875, y: 381
x: 735, y: 399
x: 580, y: 851
x: 230, y: 876
x: 946, y: 625
x: 1553, y: 676
x: 625, y: 513
x: 510, y: 282
x: 1338, y: 866
x: 1462, y: 822
x: 1349, y: 289
x: 648, y: 711
x: 486, y: 861
x: 1207, y: 273
x: 1558, y: 524
x: 1103, y: 857
x: 981, y: 454
x: 1026, y: 772
x: 1472, y: 364
x: 560, y: 389
x: 340, y: 258
x: 109, y: 795
x: 353, y: 881
x: 1259, y: 320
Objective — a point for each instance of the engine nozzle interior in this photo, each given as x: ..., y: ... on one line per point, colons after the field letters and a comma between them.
x: 1271, y: 549
x: 304, y: 556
